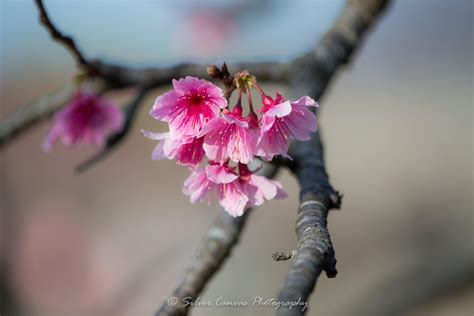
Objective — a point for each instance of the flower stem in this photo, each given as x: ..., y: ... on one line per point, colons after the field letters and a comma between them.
x: 260, y: 90
x: 249, y: 96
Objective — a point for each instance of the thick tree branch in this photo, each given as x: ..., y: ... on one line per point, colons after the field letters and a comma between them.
x: 212, y: 252
x: 312, y: 73
x: 315, y: 251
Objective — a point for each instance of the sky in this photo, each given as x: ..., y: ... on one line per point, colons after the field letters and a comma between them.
x: 149, y: 32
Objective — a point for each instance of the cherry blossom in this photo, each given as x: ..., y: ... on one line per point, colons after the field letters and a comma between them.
x: 88, y: 118
x: 187, y: 151
x: 229, y: 137
x: 187, y: 107
x: 202, y: 124
x: 283, y: 121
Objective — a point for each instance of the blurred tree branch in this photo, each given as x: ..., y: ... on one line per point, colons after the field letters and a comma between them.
x: 62, y: 38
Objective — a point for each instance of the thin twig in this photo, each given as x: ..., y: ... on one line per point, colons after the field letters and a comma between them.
x: 123, y: 76
x: 283, y: 256
x: 62, y: 38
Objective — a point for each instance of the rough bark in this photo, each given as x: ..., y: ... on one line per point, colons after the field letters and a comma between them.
x: 312, y: 74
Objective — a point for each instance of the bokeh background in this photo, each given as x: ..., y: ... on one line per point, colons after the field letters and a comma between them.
x: 397, y: 125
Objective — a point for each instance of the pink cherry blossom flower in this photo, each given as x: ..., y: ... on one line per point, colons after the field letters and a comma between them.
x: 229, y: 137
x: 235, y: 192
x: 187, y: 150
x: 259, y: 188
x: 283, y: 121
x: 198, y: 186
x: 220, y: 181
x: 188, y: 106
x: 87, y: 118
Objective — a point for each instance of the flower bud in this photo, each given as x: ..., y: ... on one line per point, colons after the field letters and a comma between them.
x: 244, y: 80
x: 214, y: 72
x: 267, y: 101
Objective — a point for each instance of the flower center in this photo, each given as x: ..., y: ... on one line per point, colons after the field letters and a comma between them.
x: 195, y: 99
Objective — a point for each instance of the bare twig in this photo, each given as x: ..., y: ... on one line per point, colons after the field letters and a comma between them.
x: 283, y: 256
x: 124, y: 76
x: 211, y: 255
x: 62, y: 38
x: 115, y: 140
x: 313, y: 72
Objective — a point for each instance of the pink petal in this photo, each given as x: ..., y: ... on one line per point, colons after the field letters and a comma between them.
x: 197, y: 186
x: 190, y: 152
x: 305, y: 101
x: 300, y: 123
x: 230, y: 118
x: 279, y: 110
x: 265, y: 186
x: 232, y: 198
x: 220, y: 174
x: 51, y: 138
x: 163, y: 106
x: 153, y: 135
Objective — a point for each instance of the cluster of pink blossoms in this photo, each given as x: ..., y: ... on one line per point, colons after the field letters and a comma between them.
x: 201, y: 123
x: 86, y: 118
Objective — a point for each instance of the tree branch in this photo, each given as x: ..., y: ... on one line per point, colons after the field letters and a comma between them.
x: 315, y: 251
x: 312, y: 74
x: 62, y: 38
x: 122, y: 76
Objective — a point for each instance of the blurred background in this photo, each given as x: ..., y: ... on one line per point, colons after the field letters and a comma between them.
x: 397, y: 124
